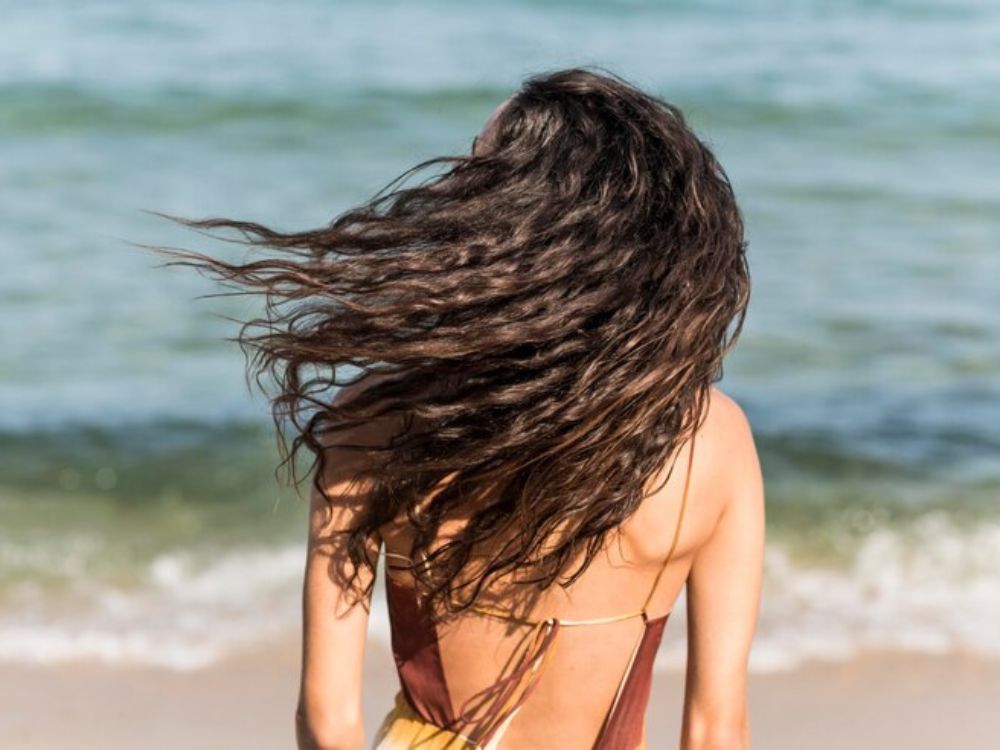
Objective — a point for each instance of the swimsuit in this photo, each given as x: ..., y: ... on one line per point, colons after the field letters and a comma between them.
x: 423, y: 716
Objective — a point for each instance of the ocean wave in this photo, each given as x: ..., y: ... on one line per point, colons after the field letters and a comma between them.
x: 930, y: 587
x: 185, y: 615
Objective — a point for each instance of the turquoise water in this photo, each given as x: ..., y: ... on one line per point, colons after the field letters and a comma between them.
x: 138, y: 512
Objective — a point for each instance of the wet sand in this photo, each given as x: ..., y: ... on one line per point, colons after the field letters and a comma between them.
x: 248, y: 700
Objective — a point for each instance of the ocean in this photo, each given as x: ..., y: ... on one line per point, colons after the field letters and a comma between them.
x: 140, y: 520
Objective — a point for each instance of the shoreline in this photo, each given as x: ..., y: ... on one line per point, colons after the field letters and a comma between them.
x: 876, y: 700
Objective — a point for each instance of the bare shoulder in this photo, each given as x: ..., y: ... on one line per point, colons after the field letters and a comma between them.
x: 723, y: 464
x: 726, y: 420
x: 706, y: 473
x: 725, y: 438
x: 728, y: 454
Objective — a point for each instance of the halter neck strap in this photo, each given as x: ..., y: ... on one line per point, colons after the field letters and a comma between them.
x: 680, y: 520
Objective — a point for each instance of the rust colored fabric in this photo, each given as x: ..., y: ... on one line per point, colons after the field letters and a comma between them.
x: 625, y: 724
x: 417, y: 656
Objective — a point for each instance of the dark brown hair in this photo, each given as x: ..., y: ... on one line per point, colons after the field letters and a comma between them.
x: 575, y: 285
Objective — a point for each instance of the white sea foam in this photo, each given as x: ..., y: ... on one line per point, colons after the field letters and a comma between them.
x: 186, y: 616
x: 929, y: 588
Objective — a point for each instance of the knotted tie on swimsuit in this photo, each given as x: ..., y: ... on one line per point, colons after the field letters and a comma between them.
x: 423, y: 716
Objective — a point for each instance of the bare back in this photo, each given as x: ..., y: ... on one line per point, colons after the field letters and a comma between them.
x: 632, y: 582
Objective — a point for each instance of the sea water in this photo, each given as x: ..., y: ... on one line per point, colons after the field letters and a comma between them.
x: 140, y: 521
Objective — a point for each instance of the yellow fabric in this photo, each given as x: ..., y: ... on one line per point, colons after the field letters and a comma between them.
x: 402, y: 729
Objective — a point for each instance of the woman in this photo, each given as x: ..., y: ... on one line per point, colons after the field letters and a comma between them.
x: 535, y: 442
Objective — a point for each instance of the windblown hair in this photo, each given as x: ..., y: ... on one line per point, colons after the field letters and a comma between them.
x: 546, y: 317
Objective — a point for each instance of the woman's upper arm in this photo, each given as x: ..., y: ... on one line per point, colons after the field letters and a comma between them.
x: 723, y: 590
x: 333, y: 639
x: 334, y: 632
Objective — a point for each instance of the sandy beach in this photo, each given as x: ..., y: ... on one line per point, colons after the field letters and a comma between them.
x: 247, y: 701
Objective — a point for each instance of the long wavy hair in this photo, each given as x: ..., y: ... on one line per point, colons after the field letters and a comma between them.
x: 546, y: 316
